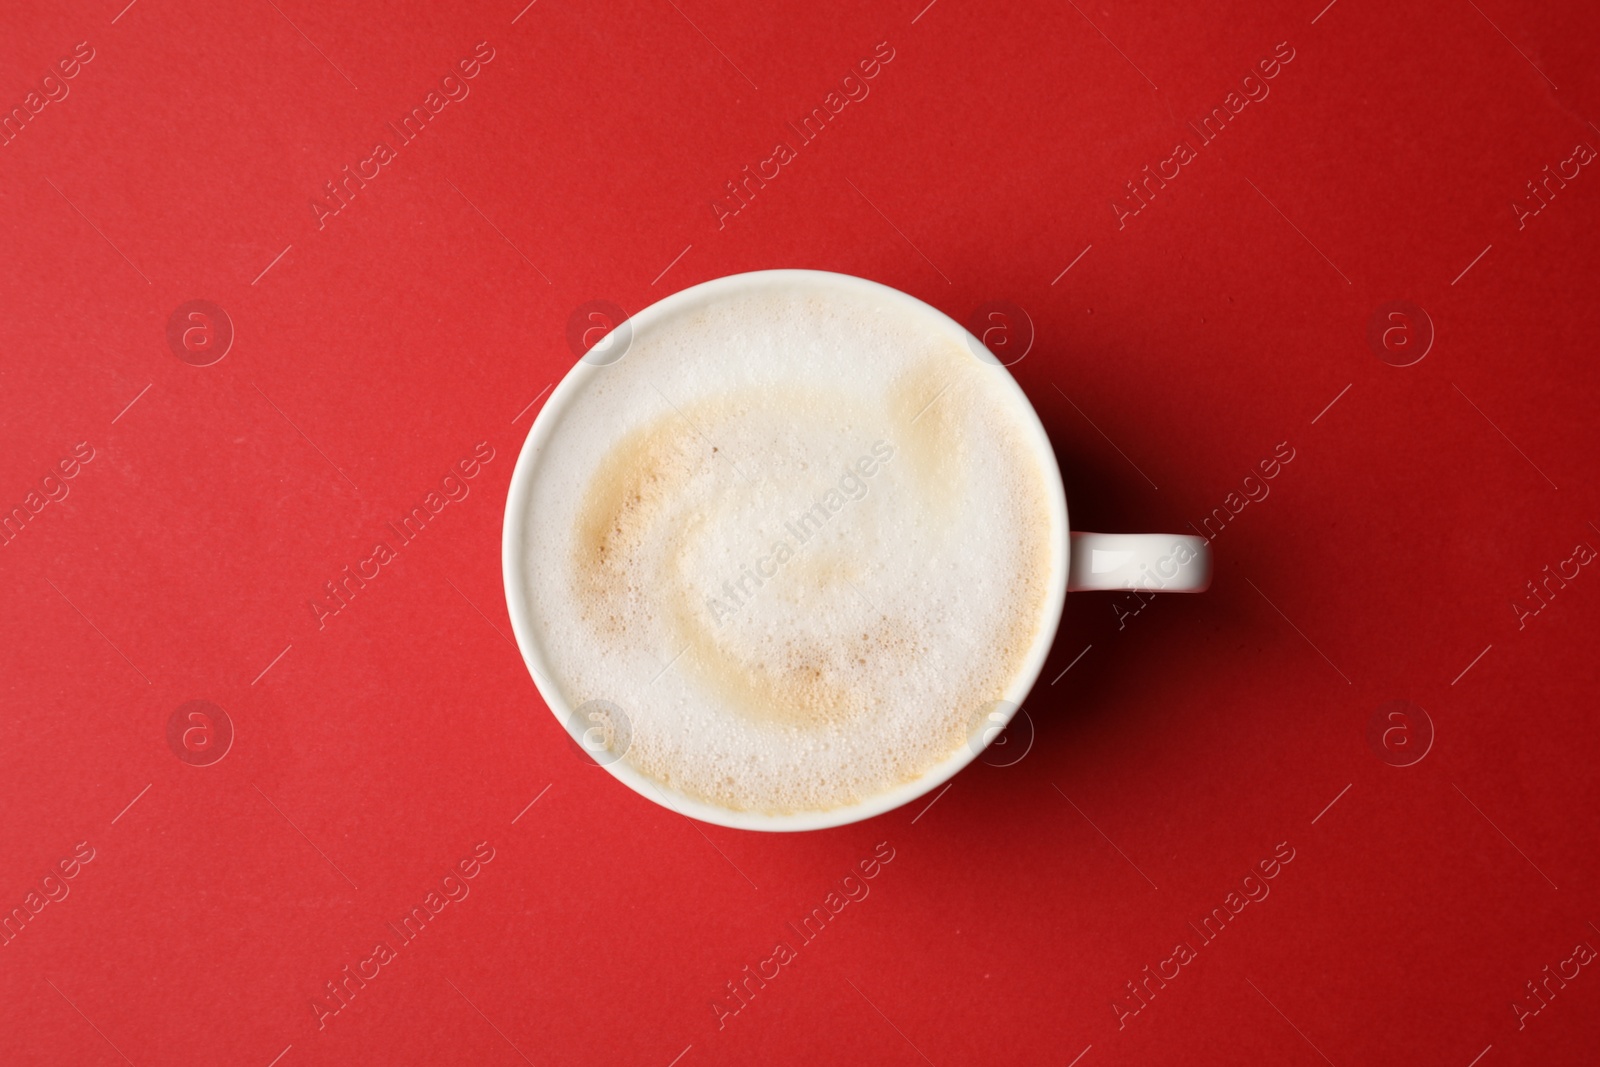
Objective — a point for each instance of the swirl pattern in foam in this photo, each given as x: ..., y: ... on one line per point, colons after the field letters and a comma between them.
x: 799, y: 541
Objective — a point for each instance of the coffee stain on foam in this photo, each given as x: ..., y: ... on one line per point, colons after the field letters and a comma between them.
x: 944, y: 423
x: 646, y: 502
x: 654, y: 490
x: 928, y: 404
x: 630, y: 489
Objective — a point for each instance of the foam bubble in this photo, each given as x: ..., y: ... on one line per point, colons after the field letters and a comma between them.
x: 797, y: 540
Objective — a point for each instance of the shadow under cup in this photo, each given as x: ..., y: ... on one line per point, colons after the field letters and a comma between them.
x: 594, y: 725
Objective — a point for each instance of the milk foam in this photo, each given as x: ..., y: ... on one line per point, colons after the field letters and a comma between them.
x: 800, y: 541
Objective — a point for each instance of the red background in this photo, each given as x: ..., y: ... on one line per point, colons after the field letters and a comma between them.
x: 1182, y: 747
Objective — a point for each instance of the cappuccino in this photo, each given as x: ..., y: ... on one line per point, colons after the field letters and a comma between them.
x: 790, y: 547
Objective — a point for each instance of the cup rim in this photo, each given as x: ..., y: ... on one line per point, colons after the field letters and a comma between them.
x: 513, y: 566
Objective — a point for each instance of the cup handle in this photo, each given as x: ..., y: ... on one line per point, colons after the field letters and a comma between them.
x: 1162, y: 563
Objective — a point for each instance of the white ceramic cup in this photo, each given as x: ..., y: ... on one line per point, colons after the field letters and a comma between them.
x: 1085, y: 561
